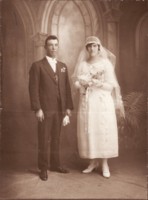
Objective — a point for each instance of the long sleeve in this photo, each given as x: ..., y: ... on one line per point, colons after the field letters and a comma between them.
x: 110, y: 81
x: 78, y: 72
x: 34, y: 81
x: 107, y: 86
x: 69, y: 102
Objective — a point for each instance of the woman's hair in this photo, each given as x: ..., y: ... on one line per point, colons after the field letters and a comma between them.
x: 51, y: 37
x: 88, y: 45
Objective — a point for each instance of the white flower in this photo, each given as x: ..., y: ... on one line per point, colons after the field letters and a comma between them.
x: 84, y: 79
x: 63, y: 69
x: 92, y: 78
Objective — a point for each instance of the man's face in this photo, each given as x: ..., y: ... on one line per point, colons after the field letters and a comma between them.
x: 52, y: 47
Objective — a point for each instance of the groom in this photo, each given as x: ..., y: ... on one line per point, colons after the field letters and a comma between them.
x: 50, y: 96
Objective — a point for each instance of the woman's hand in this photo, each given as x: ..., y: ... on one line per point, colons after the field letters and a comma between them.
x: 84, y: 80
x: 120, y: 111
x: 107, y: 87
x: 77, y: 84
x: 80, y: 84
x: 84, y: 83
x: 96, y: 82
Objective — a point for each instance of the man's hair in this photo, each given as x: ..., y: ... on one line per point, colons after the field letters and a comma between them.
x: 51, y: 37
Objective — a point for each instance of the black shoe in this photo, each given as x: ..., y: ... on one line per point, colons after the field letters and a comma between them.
x: 60, y: 170
x: 43, y: 175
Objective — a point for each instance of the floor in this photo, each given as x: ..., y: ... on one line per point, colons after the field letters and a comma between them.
x: 127, y: 181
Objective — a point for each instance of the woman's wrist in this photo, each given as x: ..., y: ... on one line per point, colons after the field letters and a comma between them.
x: 107, y: 86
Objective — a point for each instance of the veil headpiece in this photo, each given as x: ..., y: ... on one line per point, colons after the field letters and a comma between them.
x: 83, y: 55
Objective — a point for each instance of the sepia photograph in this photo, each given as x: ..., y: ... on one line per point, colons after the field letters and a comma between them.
x: 73, y: 99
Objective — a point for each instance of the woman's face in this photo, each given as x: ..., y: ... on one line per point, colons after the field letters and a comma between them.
x: 93, y: 49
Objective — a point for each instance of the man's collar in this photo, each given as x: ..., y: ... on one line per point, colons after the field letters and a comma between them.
x: 50, y: 58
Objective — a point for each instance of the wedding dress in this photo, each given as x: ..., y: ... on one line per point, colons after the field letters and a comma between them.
x: 96, y: 124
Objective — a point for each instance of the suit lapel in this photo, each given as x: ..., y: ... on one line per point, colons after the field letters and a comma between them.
x: 58, y: 70
x: 48, y: 69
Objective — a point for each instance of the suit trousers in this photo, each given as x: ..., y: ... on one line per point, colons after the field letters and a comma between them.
x: 49, y: 140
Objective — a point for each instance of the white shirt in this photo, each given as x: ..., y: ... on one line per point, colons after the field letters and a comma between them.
x: 52, y: 62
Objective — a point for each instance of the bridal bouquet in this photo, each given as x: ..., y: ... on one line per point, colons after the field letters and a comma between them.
x: 91, y: 78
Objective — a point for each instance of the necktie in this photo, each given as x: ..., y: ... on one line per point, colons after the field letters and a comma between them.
x: 53, y: 64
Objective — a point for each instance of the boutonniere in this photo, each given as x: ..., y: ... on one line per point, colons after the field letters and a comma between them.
x: 63, y: 69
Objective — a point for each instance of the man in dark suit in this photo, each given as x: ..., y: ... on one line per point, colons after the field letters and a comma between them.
x: 50, y: 96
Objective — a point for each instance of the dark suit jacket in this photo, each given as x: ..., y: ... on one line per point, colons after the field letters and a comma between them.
x: 43, y: 87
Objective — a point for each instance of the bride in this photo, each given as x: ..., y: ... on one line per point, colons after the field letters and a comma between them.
x: 100, y: 98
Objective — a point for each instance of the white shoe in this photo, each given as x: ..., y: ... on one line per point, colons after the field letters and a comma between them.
x: 105, y: 171
x: 90, y: 168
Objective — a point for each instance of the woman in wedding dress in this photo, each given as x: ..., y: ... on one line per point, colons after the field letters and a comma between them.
x: 100, y: 97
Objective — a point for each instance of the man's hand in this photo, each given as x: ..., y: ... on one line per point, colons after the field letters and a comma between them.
x: 40, y: 115
x: 68, y: 112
